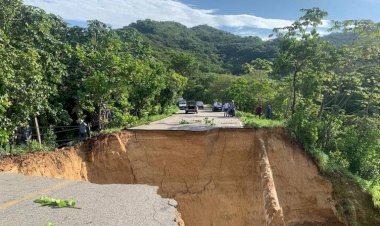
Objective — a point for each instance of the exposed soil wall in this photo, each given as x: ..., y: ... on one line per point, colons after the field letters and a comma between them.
x: 214, y: 175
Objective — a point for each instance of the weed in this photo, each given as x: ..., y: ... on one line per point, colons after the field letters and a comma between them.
x: 209, y: 121
x: 30, y: 146
x: 183, y: 121
x: 47, y: 201
x: 252, y: 121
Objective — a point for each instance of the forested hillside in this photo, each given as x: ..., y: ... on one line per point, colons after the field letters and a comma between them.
x: 215, y: 50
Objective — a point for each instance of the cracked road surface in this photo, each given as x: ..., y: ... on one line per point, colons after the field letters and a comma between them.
x: 193, y: 122
x: 115, y: 204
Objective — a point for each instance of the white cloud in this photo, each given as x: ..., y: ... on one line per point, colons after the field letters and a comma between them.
x: 119, y: 13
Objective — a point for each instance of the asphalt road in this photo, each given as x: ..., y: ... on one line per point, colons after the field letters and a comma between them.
x: 124, y: 205
x: 193, y: 122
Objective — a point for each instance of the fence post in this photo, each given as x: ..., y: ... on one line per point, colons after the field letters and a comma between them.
x: 37, y: 129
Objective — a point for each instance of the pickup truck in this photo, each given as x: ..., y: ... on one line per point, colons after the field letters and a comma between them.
x: 191, y: 106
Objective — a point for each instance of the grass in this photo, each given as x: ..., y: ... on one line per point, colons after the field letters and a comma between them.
x: 375, y: 191
x: 331, y: 168
x: 29, y: 147
x: 183, y: 122
x: 34, y: 146
x: 142, y: 121
x: 252, y: 121
x: 350, y: 192
x: 208, y: 121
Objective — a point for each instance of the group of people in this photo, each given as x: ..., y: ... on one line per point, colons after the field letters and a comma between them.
x: 268, y: 111
x: 229, y: 109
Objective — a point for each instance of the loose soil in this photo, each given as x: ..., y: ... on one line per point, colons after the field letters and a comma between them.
x: 219, y: 177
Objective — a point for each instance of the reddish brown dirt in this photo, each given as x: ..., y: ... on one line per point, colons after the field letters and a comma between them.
x: 214, y: 175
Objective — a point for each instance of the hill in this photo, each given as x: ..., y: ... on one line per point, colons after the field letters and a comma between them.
x: 339, y: 39
x: 215, y: 50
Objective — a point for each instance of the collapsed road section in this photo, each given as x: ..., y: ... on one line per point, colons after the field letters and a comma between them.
x: 218, y: 177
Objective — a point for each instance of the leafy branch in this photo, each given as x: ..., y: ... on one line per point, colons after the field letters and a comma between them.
x: 60, y: 203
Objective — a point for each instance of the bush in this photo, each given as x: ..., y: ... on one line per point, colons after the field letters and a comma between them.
x: 29, y: 147
x: 252, y: 121
x: 344, y: 144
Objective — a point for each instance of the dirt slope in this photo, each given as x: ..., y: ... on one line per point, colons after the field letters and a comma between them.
x: 214, y: 175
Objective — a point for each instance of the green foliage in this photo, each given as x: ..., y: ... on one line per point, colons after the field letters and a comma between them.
x: 4, y: 104
x: 214, y: 50
x: 60, y: 203
x: 252, y: 121
x: 60, y: 74
x: 132, y: 121
x: 375, y: 191
x: 30, y: 147
x: 248, y: 92
x: 209, y: 122
x: 334, y: 105
x: 257, y: 66
x: 183, y: 122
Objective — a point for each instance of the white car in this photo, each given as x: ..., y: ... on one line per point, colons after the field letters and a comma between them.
x: 182, y: 104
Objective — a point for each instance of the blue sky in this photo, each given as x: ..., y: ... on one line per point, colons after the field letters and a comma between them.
x: 289, y: 9
x: 242, y: 17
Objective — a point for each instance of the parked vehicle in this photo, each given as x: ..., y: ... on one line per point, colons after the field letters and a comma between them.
x: 182, y: 104
x: 200, y: 105
x: 217, y: 106
x: 191, y: 106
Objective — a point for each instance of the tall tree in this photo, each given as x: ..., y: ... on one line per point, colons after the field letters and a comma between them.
x: 301, y: 51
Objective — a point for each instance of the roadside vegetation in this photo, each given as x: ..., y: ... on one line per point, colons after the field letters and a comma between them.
x: 142, y: 121
x: 253, y: 121
x: 52, y: 202
x: 53, y: 76
x: 334, y: 106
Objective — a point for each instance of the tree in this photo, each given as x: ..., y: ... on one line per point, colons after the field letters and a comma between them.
x: 147, y: 82
x: 9, y: 10
x: 258, y: 65
x: 184, y: 64
x: 301, y: 50
x: 175, y: 85
x: 239, y: 92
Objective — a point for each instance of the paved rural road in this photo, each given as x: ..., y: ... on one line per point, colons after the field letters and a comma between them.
x: 124, y: 205
x: 196, y: 121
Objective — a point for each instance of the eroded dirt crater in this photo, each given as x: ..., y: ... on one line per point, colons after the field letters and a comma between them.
x: 219, y: 177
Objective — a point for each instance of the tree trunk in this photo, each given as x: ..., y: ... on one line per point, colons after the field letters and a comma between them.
x: 37, y: 129
x: 294, y: 92
x: 100, y: 119
x: 322, y: 108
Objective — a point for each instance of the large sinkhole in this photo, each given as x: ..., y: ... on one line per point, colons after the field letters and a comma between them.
x: 218, y: 177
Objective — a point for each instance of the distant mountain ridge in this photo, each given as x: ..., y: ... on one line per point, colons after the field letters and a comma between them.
x: 215, y: 50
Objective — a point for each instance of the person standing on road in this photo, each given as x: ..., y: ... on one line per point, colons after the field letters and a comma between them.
x: 259, y: 110
x: 226, y: 107
x: 82, y: 130
x: 268, y: 112
x: 231, y: 111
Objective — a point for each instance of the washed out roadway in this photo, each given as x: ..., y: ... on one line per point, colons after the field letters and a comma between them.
x: 116, y: 204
